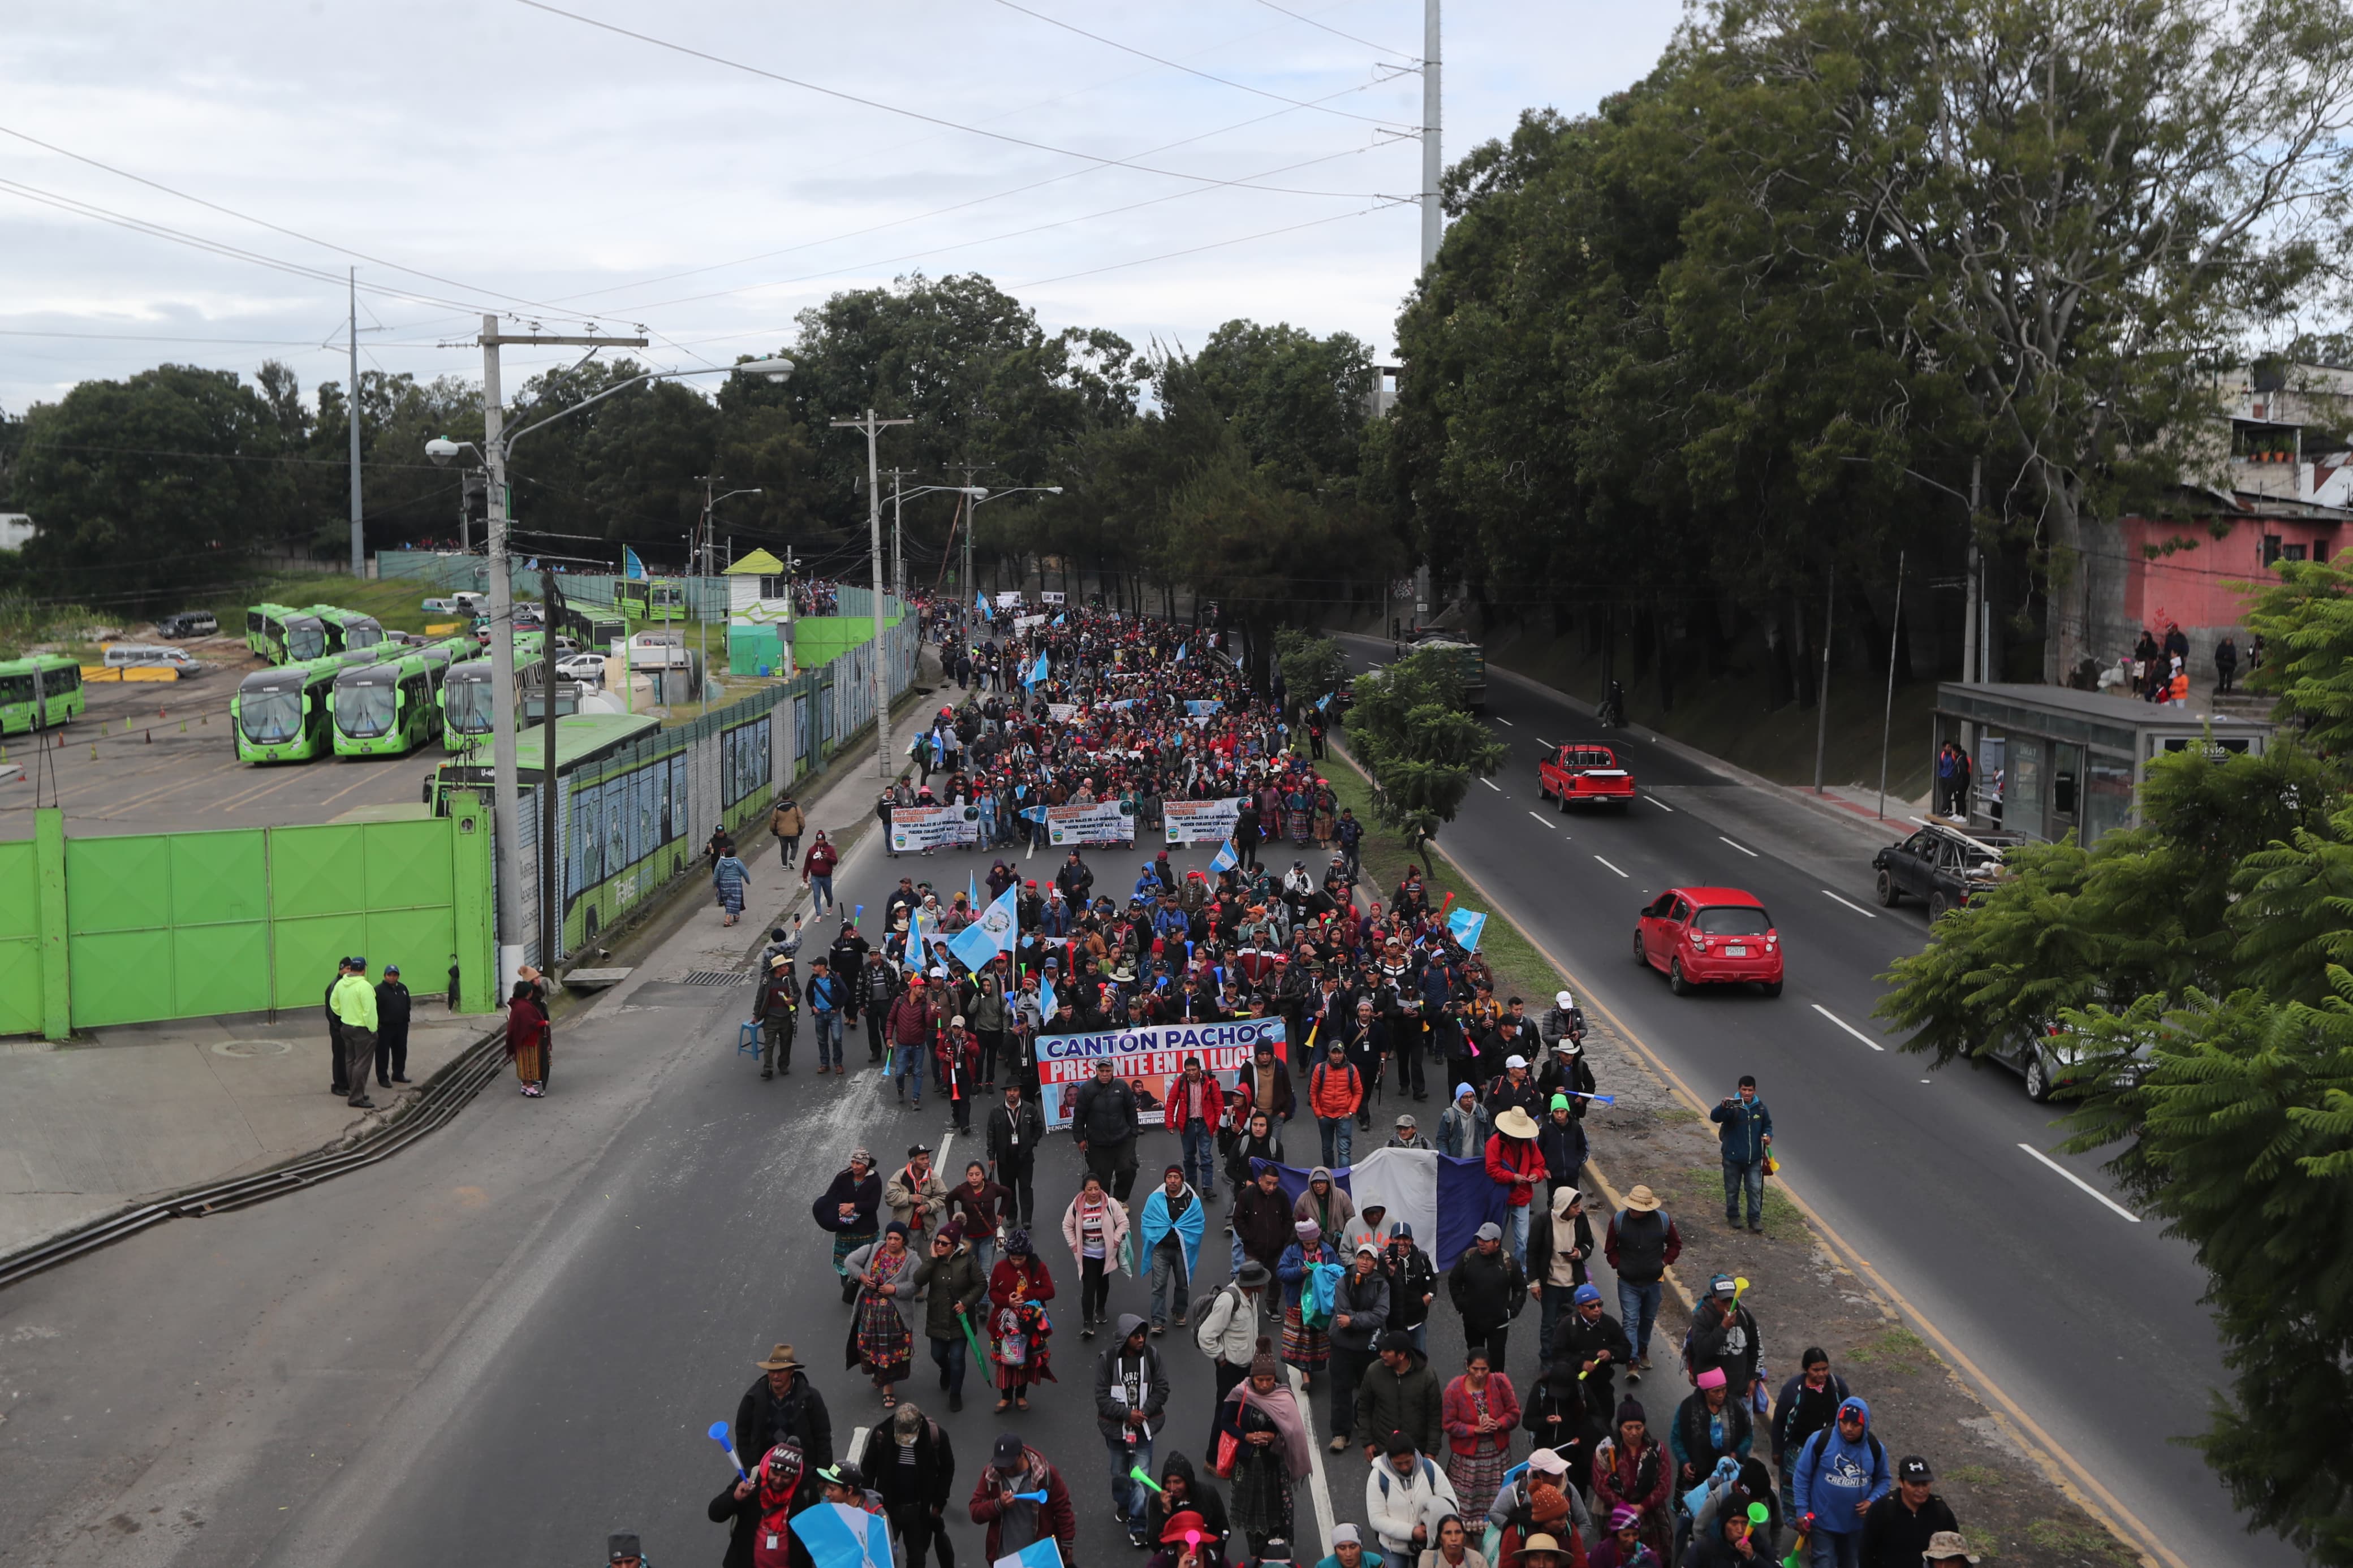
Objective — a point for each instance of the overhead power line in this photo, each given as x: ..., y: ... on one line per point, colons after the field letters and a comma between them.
x: 1325, y: 27
x: 864, y: 103
x: 1215, y: 244
x: 1191, y: 70
x: 951, y: 207
x: 272, y: 227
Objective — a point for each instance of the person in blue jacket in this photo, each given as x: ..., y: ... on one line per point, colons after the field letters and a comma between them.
x: 1841, y: 1471
x: 1744, y: 1138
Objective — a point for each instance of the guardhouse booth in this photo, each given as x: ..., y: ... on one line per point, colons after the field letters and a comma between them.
x: 2051, y: 760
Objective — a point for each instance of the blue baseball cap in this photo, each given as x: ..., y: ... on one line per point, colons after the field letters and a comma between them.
x: 1587, y: 1293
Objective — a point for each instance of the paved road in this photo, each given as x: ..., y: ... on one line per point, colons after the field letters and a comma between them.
x: 2088, y: 1320
x: 510, y: 1340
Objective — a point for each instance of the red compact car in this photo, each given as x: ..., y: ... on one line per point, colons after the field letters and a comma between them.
x: 1583, y: 774
x: 1709, y: 936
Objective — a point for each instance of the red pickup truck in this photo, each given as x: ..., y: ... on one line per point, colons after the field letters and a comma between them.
x: 1583, y: 774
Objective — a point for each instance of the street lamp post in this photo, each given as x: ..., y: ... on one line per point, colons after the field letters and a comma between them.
x: 505, y: 822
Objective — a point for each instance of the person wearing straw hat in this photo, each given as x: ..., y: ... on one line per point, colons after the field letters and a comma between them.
x: 1516, y: 1164
x: 784, y: 1404
x: 1640, y: 1245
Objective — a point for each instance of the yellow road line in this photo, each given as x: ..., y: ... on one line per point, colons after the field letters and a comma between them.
x: 2062, y: 1469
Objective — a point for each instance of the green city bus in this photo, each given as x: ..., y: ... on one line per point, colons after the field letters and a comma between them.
x: 580, y: 739
x: 466, y: 694
x: 386, y: 710
x: 346, y: 628
x: 282, y: 715
x: 283, y: 635
x: 38, y: 692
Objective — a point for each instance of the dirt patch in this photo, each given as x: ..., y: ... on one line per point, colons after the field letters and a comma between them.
x: 1803, y: 1295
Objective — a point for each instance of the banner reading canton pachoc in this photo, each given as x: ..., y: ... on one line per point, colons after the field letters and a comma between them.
x: 1105, y: 822
x: 932, y: 827
x: 1200, y: 821
x: 1146, y: 1059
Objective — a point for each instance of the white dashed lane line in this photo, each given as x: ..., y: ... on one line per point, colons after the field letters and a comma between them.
x: 1501, y: 719
x: 1850, y: 1028
x: 1742, y: 848
x: 1492, y: 785
x: 2079, y: 1180
x: 1858, y: 908
x: 1661, y: 804
x: 1614, y: 868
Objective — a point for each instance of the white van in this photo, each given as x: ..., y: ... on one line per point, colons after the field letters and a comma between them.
x: 127, y: 656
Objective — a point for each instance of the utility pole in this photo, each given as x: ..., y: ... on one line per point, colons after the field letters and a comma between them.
x: 872, y: 427
x: 1975, y: 587
x: 971, y: 505
x: 703, y: 529
x: 1822, y: 690
x: 359, y: 535
x: 551, y: 851
x: 898, y: 537
x: 506, y: 823
x: 1887, y: 719
x: 1433, y: 167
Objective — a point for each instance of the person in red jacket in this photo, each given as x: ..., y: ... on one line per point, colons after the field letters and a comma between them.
x: 1014, y: 1519
x: 1194, y: 1107
x: 817, y: 872
x: 910, y: 1028
x: 956, y: 1068
x: 1516, y: 1164
x: 1334, y: 1090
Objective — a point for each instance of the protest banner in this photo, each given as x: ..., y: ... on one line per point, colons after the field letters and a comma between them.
x: 1105, y: 822
x: 1200, y: 821
x: 1008, y: 599
x: 1061, y: 712
x: 934, y: 826
x: 1048, y: 597
x: 1145, y: 1059
x: 1028, y: 623
x: 1197, y: 708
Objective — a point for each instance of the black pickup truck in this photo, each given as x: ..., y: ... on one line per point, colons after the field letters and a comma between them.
x: 1942, y: 865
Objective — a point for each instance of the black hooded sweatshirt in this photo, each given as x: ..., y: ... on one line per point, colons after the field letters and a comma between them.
x: 1199, y: 1496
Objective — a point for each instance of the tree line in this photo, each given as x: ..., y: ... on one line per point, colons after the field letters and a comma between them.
x: 1234, y: 468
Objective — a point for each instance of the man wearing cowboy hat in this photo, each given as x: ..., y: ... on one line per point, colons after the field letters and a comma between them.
x: 784, y: 1404
x: 1642, y: 1243
x: 1516, y: 1164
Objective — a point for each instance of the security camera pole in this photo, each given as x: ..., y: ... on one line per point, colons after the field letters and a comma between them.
x: 873, y: 427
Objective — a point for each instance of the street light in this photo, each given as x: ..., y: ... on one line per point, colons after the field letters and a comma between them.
x: 980, y: 493
x: 506, y: 826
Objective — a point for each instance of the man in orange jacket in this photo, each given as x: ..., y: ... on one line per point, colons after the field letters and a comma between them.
x: 1334, y: 1090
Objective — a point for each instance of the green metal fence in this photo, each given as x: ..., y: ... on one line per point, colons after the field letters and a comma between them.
x: 138, y: 928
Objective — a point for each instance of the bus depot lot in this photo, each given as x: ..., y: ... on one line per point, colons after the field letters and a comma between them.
x: 175, y: 767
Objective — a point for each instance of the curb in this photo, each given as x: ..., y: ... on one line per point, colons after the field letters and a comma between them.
x: 2061, y: 1469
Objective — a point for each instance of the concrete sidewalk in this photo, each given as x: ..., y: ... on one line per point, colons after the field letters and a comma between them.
x: 92, y: 1125
x: 95, y: 1124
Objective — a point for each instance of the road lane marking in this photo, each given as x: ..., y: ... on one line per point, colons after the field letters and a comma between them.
x: 1546, y: 820
x: 2057, y: 1463
x: 1501, y: 719
x: 1742, y: 848
x: 1613, y: 868
x: 1492, y: 785
x: 1858, y: 908
x: 1850, y: 1028
x: 1661, y: 804
x: 1320, y: 1494
x: 2080, y: 1183
x: 1545, y: 743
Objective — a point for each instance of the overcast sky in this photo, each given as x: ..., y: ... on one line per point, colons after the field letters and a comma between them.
x: 532, y: 163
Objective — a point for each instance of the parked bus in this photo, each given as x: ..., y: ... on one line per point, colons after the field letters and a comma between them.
x: 346, y: 628
x: 386, y: 709
x: 282, y: 715
x: 580, y: 739
x: 466, y: 693
x: 40, y: 692
x: 283, y: 635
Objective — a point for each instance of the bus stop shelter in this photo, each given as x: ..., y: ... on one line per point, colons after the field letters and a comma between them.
x: 2051, y: 761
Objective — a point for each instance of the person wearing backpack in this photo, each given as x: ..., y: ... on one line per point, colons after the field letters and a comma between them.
x: 1130, y: 1392
x: 1226, y: 1325
x: 1841, y: 1471
x: 1809, y: 1403
x: 1334, y: 1090
x: 1488, y: 1289
x: 1406, y: 1494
